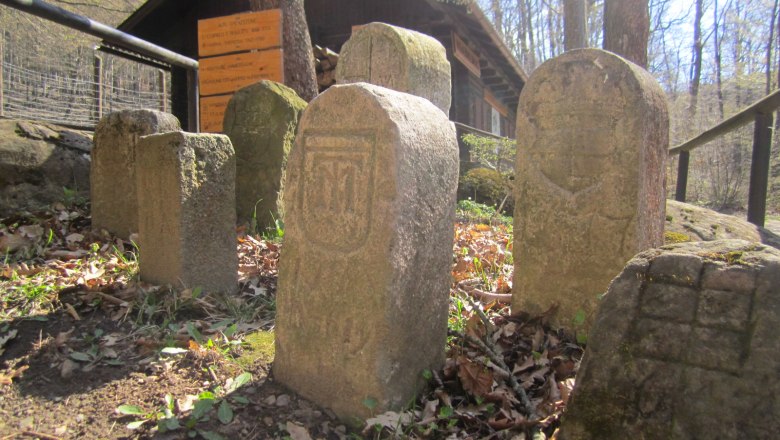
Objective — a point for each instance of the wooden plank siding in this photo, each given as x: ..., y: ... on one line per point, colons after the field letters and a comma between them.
x: 330, y: 25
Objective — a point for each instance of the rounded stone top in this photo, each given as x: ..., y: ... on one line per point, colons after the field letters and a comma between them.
x: 358, y: 105
x: 399, y: 59
x: 592, y: 77
x: 272, y: 90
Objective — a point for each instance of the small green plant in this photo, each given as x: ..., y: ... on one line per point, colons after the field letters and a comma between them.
x: 72, y: 197
x: 496, y: 154
x: 274, y: 233
x: 579, y: 322
x: 165, y: 304
x: 471, y: 211
x: 221, y: 398
x: 96, y: 353
x: 458, y: 315
x: 487, y: 186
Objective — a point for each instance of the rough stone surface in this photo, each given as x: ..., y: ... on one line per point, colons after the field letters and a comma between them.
x: 38, y: 162
x: 114, y: 165
x: 701, y: 365
x: 693, y: 223
x: 590, y: 189
x: 363, y: 279
x: 399, y: 59
x: 187, y: 212
x: 260, y: 121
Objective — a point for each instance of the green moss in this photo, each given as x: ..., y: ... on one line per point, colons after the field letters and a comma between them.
x: 733, y: 257
x: 669, y: 218
x: 259, y: 348
x: 671, y: 237
x: 599, y: 413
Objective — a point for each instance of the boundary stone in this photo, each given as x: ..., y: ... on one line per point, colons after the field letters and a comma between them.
x: 187, y: 212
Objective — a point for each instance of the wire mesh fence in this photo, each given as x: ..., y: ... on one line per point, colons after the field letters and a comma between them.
x: 80, y: 91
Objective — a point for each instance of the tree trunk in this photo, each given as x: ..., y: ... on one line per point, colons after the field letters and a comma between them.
x: 531, y: 40
x: 523, y: 34
x: 718, y: 65
x: 498, y: 16
x: 574, y: 24
x: 551, y: 33
x: 298, y: 57
x: 697, y: 54
x: 627, y: 28
x: 769, y: 49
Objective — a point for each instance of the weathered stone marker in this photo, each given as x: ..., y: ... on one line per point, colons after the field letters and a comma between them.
x: 363, y: 280
x: 186, y: 210
x: 590, y: 187
x: 113, y: 172
x: 260, y: 121
x: 399, y: 59
x: 684, y: 347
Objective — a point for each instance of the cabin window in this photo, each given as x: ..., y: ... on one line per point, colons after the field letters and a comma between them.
x: 495, y: 121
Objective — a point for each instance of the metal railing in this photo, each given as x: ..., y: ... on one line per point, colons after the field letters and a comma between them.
x: 79, y: 22
x: 761, y: 114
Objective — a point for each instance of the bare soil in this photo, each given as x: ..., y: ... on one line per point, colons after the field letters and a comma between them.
x: 83, y: 343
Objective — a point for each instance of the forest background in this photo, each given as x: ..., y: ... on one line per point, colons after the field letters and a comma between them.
x: 712, y: 57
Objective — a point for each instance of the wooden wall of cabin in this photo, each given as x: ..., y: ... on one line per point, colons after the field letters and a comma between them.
x: 330, y: 21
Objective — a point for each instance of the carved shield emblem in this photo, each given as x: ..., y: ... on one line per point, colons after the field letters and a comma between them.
x: 337, y: 191
x: 573, y: 159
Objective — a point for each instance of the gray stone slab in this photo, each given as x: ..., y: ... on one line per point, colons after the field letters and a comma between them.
x: 187, y: 212
x: 364, y: 275
x: 261, y: 120
x: 590, y: 187
x: 114, y: 163
x: 652, y: 377
x: 399, y: 59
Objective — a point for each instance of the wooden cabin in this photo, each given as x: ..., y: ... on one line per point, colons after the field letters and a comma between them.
x: 486, y: 78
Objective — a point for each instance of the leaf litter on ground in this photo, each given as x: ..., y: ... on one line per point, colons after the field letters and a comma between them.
x: 505, y: 376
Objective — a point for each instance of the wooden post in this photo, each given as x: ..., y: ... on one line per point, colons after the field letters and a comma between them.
x: 682, y: 176
x: 163, y: 87
x: 193, y: 96
x: 759, y: 168
x: 2, y: 100
x: 97, y: 85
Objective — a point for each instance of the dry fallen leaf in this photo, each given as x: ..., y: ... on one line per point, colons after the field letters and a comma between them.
x: 476, y: 379
x: 7, y: 376
x: 297, y: 432
x: 390, y: 420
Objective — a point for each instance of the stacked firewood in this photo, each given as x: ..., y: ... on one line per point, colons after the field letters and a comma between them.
x: 325, y: 61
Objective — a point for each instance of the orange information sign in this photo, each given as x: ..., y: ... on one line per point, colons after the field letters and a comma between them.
x: 240, y: 32
x: 228, y: 73
x: 212, y: 113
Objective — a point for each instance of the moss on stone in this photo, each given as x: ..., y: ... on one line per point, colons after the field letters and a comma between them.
x: 598, y: 414
x: 675, y: 237
x: 259, y: 348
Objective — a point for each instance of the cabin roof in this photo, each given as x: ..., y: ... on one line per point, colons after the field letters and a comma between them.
x: 469, y: 18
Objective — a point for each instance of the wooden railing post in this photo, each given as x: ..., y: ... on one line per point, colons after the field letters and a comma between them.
x: 759, y: 168
x: 682, y: 176
x: 193, y: 106
x: 2, y: 98
x: 97, y: 78
x: 162, y: 86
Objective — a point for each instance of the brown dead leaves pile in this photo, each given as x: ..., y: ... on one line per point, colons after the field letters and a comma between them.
x: 505, y: 376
